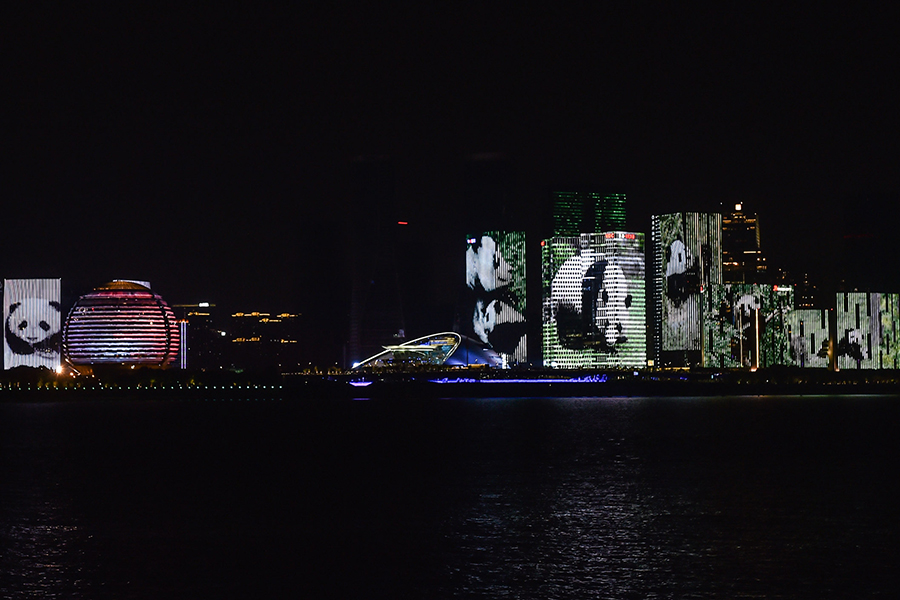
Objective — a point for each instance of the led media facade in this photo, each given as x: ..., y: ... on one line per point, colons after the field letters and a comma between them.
x: 808, y: 335
x: 122, y: 322
x: 575, y: 213
x: 594, y: 304
x: 687, y: 257
x: 866, y: 335
x: 745, y: 325
x: 31, y: 313
x: 889, y: 348
x: 495, y: 280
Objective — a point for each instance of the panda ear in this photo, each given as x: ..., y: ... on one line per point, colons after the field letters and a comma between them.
x: 55, y: 305
x: 14, y: 306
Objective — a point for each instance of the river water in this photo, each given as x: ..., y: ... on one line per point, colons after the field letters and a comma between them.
x: 739, y: 497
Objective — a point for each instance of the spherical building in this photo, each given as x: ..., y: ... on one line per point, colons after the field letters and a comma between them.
x: 121, y: 323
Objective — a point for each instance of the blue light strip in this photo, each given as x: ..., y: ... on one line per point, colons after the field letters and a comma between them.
x: 585, y: 379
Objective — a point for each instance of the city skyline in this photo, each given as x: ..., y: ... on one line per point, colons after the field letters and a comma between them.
x: 211, y: 154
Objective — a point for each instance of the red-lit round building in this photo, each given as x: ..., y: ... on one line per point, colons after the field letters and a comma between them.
x: 121, y: 323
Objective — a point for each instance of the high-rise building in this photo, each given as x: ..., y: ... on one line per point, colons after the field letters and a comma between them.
x: 746, y: 325
x: 202, y: 342
x: 495, y: 311
x: 33, y: 331
x: 867, y: 330
x: 375, y: 256
x: 594, y: 303
x: 686, y: 259
x: 579, y: 212
x: 742, y: 259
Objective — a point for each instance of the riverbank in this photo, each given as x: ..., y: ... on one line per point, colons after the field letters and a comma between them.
x: 467, y: 383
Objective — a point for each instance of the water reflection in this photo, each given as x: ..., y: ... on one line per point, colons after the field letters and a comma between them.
x: 43, y: 543
x: 643, y: 499
x: 542, y: 498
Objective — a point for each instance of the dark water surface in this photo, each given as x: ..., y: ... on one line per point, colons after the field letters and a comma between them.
x: 754, y: 497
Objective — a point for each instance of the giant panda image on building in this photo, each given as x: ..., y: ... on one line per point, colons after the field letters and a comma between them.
x: 32, y: 333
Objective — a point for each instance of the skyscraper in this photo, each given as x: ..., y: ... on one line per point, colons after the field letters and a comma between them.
x: 687, y: 259
x: 867, y: 330
x: 376, y: 303
x: 495, y: 281
x: 579, y: 212
x: 593, y: 304
x: 747, y: 325
x: 742, y: 259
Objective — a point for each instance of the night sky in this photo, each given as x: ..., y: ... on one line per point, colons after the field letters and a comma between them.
x: 208, y: 150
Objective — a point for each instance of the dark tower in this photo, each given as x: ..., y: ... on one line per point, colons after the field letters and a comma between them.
x: 376, y: 307
x: 742, y: 259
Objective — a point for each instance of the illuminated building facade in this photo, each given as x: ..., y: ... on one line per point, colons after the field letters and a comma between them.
x: 496, y: 285
x: 746, y: 325
x: 33, y: 323
x: 866, y: 335
x: 575, y: 213
x: 889, y: 348
x: 593, y: 301
x: 686, y: 258
x: 808, y: 334
x: 742, y: 259
x: 121, y: 323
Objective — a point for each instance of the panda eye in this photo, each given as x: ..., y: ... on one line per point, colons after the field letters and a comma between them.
x: 23, y: 324
x: 44, y: 325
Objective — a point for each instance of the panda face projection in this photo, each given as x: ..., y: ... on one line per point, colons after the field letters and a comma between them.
x: 593, y: 318
x: 682, y: 278
x: 614, y: 304
x: 33, y: 327
x: 745, y: 308
x: 485, y: 266
x: 497, y: 292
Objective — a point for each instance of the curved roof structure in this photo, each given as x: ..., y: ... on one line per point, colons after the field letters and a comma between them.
x: 121, y: 322
x: 447, y: 348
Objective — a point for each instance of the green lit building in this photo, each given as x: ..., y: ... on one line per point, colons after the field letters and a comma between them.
x: 747, y: 325
x: 576, y: 212
x: 867, y: 330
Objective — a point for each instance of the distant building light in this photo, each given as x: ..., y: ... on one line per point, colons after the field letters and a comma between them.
x: 402, y: 223
x: 203, y: 305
